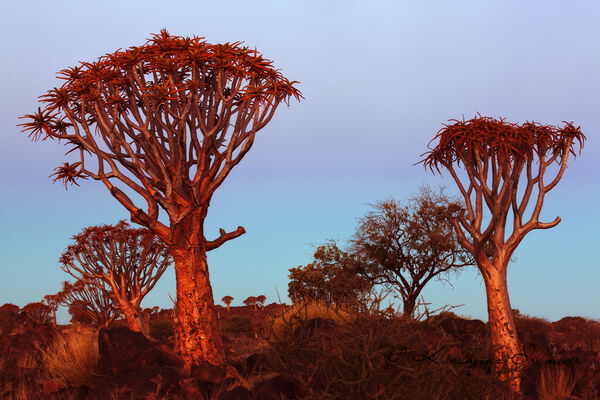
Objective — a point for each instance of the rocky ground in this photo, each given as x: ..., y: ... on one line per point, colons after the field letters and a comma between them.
x: 363, y: 357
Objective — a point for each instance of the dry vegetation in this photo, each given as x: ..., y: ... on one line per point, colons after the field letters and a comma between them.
x: 329, y: 352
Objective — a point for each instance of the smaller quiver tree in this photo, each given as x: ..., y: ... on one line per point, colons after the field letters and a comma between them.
x: 227, y: 300
x: 128, y: 261
x: 53, y: 301
x: 250, y: 302
x: 260, y: 300
x: 504, y: 165
x: 89, y: 302
x: 38, y: 312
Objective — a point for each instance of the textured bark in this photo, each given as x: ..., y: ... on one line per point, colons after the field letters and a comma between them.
x: 134, y: 317
x: 408, y: 307
x: 507, y: 352
x: 197, y: 331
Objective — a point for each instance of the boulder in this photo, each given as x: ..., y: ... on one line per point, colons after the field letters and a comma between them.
x: 463, y: 329
x: 208, y: 373
x: 132, y: 366
x: 238, y: 393
x: 275, y: 388
x: 123, y: 352
x: 258, y: 363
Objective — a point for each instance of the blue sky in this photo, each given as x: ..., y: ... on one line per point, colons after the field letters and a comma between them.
x: 379, y: 78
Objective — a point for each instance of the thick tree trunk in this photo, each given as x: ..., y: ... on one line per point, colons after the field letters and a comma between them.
x: 197, y: 335
x: 507, y: 351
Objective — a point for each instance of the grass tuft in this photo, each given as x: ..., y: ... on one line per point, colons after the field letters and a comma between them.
x: 73, y: 357
x: 556, y: 384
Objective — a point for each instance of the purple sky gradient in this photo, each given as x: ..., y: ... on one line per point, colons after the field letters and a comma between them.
x: 379, y: 78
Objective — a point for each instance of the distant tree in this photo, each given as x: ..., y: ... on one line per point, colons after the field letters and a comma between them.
x: 405, y: 247
x: 128, y: 261
x: 251, y: 302
x: 505, y: 164
x: 89, y: 303
x: 53, y: 301
x: 9, y: 308
x: 260, y: 300
x: 38, y: 312
x: 167, y: 121
x: 227, y: 300
x: 10, y: 318
x: 331, y: 278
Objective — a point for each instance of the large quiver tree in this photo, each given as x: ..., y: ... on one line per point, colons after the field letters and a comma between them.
x: 505, y: 165
x: 167, y: 121
x: 128, y: 261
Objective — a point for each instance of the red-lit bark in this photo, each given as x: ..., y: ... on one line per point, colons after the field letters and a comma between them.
x: 167, y: 121
x: 497, y: 156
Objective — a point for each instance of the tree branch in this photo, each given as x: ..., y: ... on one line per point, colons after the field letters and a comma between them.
x: 213, y: 244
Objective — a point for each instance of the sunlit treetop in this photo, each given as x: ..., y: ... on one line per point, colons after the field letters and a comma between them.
x: 169, y: 119
x: 484, y: 138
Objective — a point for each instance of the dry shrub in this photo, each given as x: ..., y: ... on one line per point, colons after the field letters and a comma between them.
x: 578, y: 332
x: 371, y: 357
x: 556, y: 383
x: 526, y: 323
x: 285, y: 324
x: 73, y: 357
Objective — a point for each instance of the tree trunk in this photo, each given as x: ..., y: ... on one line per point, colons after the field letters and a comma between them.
x: 408, y: 307
x: 197, y: 335
x: 507, y: 352
x: 134, y: 317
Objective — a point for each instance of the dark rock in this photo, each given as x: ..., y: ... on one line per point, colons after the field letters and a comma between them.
x: 238, y: 393
x: 208, y: 373
x: 276, y: 388
x: 463, y: 329
x: 191, y: 389
x: 132, y: 366
x: 123, y: 352
x: 258, y: 363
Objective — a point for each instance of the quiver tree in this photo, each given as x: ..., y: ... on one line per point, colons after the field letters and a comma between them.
x: 405, y: 247
x: 260, y: 300
x: 128, y: 261
x: 227, y: 300
x: 38, y: 312
x: 250, y: 302
x: 505, y: 165
x: 167, y: 121
x: 53, y: 301
x: 88, y: 302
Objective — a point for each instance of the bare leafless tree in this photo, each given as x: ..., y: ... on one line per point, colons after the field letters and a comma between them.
x: 129, y: 261
x: 505, y: 165
x: 167, y: 122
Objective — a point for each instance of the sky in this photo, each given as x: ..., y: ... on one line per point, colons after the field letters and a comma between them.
x: 379, y: 79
